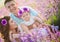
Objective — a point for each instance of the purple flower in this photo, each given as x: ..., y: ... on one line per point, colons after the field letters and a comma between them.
x: 20, y: 11
x: 4, y: 21
x: 26, y: 9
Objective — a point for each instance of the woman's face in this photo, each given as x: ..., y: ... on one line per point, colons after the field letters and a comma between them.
x: 12, y: 6
x: 12, y: 24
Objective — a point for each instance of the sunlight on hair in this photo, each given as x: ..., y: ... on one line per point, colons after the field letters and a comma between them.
x: 1, y: 3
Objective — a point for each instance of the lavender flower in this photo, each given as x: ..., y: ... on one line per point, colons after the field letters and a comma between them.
x: 26, y: 9
x: 4, y: 22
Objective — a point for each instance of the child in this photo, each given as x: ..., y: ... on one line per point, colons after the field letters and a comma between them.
x: 28, y: 20
x: 28, y: 23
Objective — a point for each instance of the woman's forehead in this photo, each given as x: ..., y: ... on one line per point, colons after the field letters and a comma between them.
x: 9, y: 3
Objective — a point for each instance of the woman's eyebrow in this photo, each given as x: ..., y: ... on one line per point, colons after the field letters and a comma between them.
x: 12, y: 4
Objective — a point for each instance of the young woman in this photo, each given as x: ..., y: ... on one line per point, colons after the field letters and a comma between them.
x: 9, y: 30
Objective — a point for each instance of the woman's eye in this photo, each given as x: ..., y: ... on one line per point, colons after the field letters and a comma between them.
x: 8, y: 6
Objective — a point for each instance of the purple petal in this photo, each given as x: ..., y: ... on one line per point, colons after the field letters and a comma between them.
x: 4, y: 22
x: 25, y: 9
x: 20, y: 11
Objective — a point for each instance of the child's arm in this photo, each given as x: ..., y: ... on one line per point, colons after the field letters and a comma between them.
x: 25, y: 28
x: 38, y: 19
x: 42, y: 17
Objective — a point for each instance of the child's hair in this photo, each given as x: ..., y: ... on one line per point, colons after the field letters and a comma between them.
x: 5, y: 28
x: 7, y: 1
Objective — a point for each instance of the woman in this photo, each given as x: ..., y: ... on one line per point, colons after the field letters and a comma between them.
x: 7, y: 26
